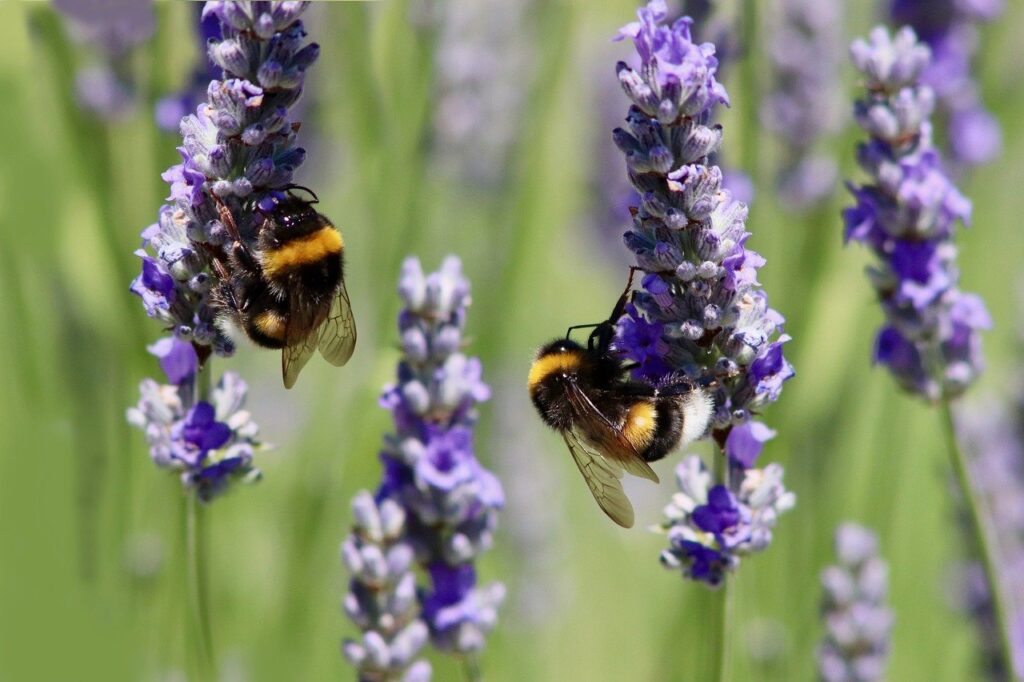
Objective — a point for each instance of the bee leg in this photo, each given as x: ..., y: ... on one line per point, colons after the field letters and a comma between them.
x: 227, y: 219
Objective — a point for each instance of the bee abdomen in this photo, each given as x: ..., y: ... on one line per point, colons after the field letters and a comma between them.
x: 267, y: 328
x: 641, y: 424
x: 306, y: 251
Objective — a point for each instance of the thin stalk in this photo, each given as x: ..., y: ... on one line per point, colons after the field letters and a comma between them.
x: 471, y: 668
x: 750, y: 121
x: 723, y: 666
x: 196, y: 570
x: 984, y: 536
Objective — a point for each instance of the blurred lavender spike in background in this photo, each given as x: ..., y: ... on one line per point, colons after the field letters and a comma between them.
x: 113, y: 28
x: 701, y: 312
x: 806, y: 105
x: 450, y: 500
x: 950, y: 29
x: 381, y: 598
x: 908, y: 216
x: 858, y: 624
x: 993, y: 435
x: 484, y: 67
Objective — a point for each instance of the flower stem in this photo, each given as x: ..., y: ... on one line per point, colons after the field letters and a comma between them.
x: 982, y: 531
x: 198, y: 621
x: 723, y: 606
x: 471, y: 667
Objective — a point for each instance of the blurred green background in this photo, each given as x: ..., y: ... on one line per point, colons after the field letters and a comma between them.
x: 90, y: 579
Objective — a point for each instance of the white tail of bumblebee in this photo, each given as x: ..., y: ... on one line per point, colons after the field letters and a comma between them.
x: 697, y: 407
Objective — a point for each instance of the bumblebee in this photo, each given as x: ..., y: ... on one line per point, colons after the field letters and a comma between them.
x: 288, y: 292
x: 611, y: 422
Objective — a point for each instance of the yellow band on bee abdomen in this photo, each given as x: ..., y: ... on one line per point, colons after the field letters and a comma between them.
x: 641, y: 421
x: 324, y: 242
x: 543, y: 367
x: 270, y: 324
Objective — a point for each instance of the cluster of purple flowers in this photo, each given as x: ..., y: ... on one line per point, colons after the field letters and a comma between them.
x: 950, y: 29
x: 382, y: 595
x: 806, y: 104
x: 238, y: 145
x: 450, y: 500
x: 209, y: 441
x: 858, y: 625
x: 993, y: 434
x: 908, y: 216
x: 701, y: 313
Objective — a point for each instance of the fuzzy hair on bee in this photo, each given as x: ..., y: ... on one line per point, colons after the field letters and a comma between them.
x: 611, y: 422
x: 288, y: 292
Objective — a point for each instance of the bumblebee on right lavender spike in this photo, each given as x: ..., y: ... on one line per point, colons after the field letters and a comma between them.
x: 611, y: 422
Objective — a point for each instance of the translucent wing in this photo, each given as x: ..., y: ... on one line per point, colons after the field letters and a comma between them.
x: 338, y: 332
x: 602, y: 477
x: 605, y: 436
x: 300, y: 342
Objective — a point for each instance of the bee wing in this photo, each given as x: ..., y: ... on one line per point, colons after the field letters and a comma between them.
x: 605, y: 436
x: 602, y: 477
x: 300, y: 342
x: 338, y: 332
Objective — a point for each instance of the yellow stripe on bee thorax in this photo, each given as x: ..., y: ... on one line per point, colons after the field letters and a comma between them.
x: 270, y: 324
x: 543, y: 367
x: 640, y: 424
x: 313, y: 247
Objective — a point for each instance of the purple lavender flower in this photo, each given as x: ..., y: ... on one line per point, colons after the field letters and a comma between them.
x: 210, y: 443
x: 950, y: 29
x: 701, y: 312
x: 908, y: 217
x: 450, y: 500
x: 858, y: 625
x: 381, y: 599
x: 993, y: 435
x: 805, y: 106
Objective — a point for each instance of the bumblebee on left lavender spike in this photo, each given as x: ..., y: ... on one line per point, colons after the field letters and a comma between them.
x: 288, y: 291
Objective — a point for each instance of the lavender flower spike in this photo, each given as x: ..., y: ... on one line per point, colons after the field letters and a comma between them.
x: 381, y: 599
x: 858, y: 625
x: 450, y: 500
x: 806, y: 105
x: 701, y: 314
x: 907, y: 216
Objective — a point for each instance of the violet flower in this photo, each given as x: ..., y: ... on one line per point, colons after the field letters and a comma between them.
x: 701, y: 313
x: 858, y: 624
x: 950, y: 29
x: 907, y: 216
x: 381, y: 599
x: 805, y: 106
x: 450, y: 500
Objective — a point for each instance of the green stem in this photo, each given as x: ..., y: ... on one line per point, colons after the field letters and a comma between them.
x: 983, y: 534
x: 750, y: 100
x: 723, y: 667
x: 471, y: 668
x: 198, y: 622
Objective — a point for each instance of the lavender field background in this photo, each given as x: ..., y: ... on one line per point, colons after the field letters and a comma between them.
x: 481, y: 129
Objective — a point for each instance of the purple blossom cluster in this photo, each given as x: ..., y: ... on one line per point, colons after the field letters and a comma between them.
x: 701, y: 313
x: 381, y: 599
x: 858, y: 624
x: 907, y: 216
x: 993, y: 435
x: 806, y: 105
x: 950, y: 29
x: 710, y: 526
x: 209, y: 442
x: 449, y: 499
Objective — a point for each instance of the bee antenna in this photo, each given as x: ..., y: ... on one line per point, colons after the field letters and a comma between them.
x: 316, y: 199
